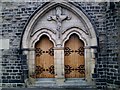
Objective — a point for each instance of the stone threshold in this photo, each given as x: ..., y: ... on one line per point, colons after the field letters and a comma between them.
x: 64, y: 86
x: 68, y: 83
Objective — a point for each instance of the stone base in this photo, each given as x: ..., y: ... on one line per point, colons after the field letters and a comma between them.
x: 60, y: 80
x: 62, y: 83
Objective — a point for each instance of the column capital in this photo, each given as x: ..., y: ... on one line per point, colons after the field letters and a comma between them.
x: 58, y: 48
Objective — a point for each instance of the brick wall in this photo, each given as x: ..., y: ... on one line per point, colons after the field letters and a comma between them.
x: 112, y: 19
x: 14, y: 16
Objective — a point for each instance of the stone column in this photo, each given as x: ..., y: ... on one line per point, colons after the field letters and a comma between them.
x: 87, y: 63
x: 31, y: 62
x: 93, y: 51
x: 59, y: 64
x: 92, y: 63
x: 31, y: 67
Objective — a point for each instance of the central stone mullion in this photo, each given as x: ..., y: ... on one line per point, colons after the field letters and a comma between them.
x: 59, y: 64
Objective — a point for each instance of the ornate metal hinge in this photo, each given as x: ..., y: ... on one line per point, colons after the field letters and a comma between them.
x: 39, y: 52
x: 69, y: 69
x: 68, y: 51
x: 39, y: 70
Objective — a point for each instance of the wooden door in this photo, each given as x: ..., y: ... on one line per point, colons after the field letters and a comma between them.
x: 74, y: 58
x: 44, y: 58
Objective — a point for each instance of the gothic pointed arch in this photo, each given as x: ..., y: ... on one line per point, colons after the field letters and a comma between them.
x: 59, y: 21
x: 28, y: 31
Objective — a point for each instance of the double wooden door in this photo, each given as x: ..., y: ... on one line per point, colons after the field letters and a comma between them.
x: 74, y: 58
x: 44, y: 59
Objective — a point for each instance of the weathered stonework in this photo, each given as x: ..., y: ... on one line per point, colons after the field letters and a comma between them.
x: 17, y: 65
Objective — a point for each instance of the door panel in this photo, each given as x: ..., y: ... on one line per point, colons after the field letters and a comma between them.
x: 44, y: 59
x: 74, y: 58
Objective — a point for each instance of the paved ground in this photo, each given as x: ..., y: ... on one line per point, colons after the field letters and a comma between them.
x: 48, y: 89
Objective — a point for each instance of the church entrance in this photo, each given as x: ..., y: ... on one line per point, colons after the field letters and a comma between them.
x: 74, y: 58
x: 44, y: 59
x: 61, y: 45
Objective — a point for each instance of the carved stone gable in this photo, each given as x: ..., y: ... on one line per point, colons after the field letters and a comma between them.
x: 59, y: 20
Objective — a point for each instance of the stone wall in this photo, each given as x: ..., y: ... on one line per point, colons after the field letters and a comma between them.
x: 14, y: 18
x: 112, y: 20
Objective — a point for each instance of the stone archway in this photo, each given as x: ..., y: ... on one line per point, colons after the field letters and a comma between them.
x: 59, y: 21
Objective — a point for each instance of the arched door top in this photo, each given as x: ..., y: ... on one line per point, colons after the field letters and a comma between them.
x: 37, y: 35
x: 41, y: 12
x: 80, y: 33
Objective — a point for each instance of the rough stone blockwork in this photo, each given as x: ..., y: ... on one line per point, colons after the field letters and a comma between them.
x: 113, y: 65
x: 15, y: 15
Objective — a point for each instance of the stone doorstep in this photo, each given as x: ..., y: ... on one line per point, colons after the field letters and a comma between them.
x: 62, y: 86
x: 66, y: 84
x: 49, y: 88
x: 67, y: 81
